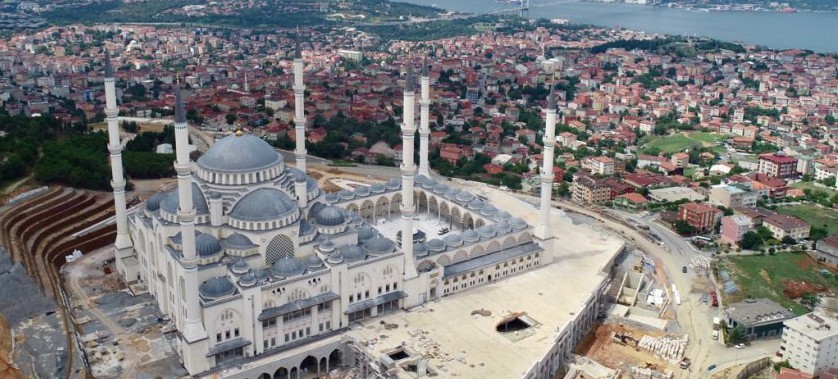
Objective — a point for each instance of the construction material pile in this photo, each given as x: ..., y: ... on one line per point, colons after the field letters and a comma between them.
x: 669, y: 348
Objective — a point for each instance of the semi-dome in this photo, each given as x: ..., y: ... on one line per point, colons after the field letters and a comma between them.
x: 287, y: 267
x: 329, y: 216
x: 436, y: 245
x: 379, y: 246
x: 420, y: 249
x: 153, y: 202
x: 171, y: 202
x: 238, y: 241
x: 239, y: 153
x: 306, y: 228
x: 240, y: 267
x: 336, y: 257
x: 313, y: 261
x: 352, y: 253
x: 263, y: 204
x: 247, y: 280
x: 216, y: 288
x: 206, y: 245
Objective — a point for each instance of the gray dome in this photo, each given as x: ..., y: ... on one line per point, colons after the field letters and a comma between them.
x: 451, y: 193
x: 238, y: 242
x: 287, y: 267
x: 306, y: 228
x: 453, y: 240
x: 244, y: 153
x: 379, y: 246
x: 336, y: 257
x: 153, y: 202
x: 355, y: 219
x: 420, y: 179
x: 362, y: 191
x: 377, y: 188
x: 346, y: 194
x: 503, y: 215
x: 206, y: 245
x: 216, y: 288
x: 352, y: 253
x: 470, y: 236
x: 247, y: 280
x: 486, y: 231
x: 436, y: 245
x: 393, y: 184
x: 262, y: 205
x: 517, y: 223
x: 260, y: 274
x: 440, y: 188
x: 329, y: 216
x: 475, y: 204
x: 488, y: 210
x: 326, y: 246
x: 502, y: 227
x: 420, y: 249
x: 430, y: 183
x: 171, y: 202
x: 464, y: 196
x: 240, y: 267
x: 299, y: 175
x: 331, y: 197
x: 366, y: 232
x: 313, y: 261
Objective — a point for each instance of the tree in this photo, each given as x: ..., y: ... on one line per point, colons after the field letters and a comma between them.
x: 788, y: 240
x: 810, y: 300
x: 750, y: 241
x: 231, y: 118
x: 683, y: 228
x: 737, y: 335
x: 764, y: 233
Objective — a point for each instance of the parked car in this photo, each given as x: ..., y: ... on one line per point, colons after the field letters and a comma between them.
x: 684, y: 269
x: 711, y: 367
x: 740, y: 346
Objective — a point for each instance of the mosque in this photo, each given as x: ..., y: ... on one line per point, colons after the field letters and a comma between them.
x: 263, y: 273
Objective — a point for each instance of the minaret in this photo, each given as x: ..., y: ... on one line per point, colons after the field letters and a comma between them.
x: 424, y: 129
x: 123, y: 240
x: 246, y: 85
x: 547, y: 171
x: 193, y: 328
x: 299, y: 113
x: 408, y: 170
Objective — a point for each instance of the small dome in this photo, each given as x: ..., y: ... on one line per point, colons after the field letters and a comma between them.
x: 206, y: 245
x: 517, y: 223
x: 243, y: 153
x: 336, y: 257
x: 393, y: 184
x: 326, y: 246
x: 440, y: 188
x: 420, y: 250
x: 475, y: 204
x: 419, y: 179
x: 240, y: 267
x: 436, y: 245
x: 366, y: 232
x: 451, y: 193
x: 329, y: 216
x: 353, y: 253
x: 464, y: 196
x: 247, y: 280
x: 346, y: 194
x: 429, y: 184
x: 306, y: 228
x: 502, y: 215
x: 379, y: 246
x: 171, y: 202
x: 216, y: 288
x: 261, y: 274
x: 153, y: 202
x: 331, y: 197
x: 486, y: 231
x: 362, y: 191
x: 470, y: 236
x: 453, y: 240
x: 502, y: 227
x: 355, y: 219
x: 377, y: 188
x: 263, y: 204
x: 238, y: 241
x: 488, y: 210
x: 287, y: 267
x: 299, y: 175
x: 313, y: 261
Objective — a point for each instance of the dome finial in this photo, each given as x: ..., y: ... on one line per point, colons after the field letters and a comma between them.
x: 239, y: 131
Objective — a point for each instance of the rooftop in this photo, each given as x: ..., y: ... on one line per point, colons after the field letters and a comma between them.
x: 815, y: 325
x: 785, y: 222
x: 758, y: 311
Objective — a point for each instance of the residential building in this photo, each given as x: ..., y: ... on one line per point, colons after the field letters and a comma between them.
x: 588, y: 190
x: 631, y: 201
x: 782, y: 225
x: 734, y: 227
x: 778, y: 165
x: 599, y: 165
x: 826, y: 250
x: 673, y: 194
x: 680, y: 159
x: 699, y: 216
x: 733, y: 196
x: 810, y: 343
x: 761, y: 318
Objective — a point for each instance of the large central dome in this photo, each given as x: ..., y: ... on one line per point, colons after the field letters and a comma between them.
x: 239, y: 153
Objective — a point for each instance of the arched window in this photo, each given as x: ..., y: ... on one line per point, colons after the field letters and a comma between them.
x: 280, y: 246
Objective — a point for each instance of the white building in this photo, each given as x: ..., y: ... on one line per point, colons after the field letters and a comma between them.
x: 810, y: 342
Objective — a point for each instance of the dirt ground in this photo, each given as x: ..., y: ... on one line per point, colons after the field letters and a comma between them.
x: 598, y: 346
x: 6, y: 370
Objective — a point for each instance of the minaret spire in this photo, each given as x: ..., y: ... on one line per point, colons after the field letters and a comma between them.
x: 424, y: 128
x: 299, y: 111
x: 191, y: 326
x: 408, y: 170
x: 123, y: 240
x: 547, y: 170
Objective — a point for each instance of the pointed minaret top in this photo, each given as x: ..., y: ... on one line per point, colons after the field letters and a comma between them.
x: 425, y: 67
x: 551, y: 98
x: 298, y: 53
x: 108, y: 66
x: 180, y: 113
x: 408, y: 80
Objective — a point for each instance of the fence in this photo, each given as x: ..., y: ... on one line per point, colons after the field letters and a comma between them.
x: 753, y: 368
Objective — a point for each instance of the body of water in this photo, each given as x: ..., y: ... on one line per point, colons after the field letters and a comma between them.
x: 805, y: 30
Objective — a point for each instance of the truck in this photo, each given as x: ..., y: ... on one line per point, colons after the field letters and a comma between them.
x: 714, y: 299
x: 716, y: 327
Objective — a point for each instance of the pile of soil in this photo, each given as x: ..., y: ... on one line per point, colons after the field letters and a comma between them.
x: 794, y: 289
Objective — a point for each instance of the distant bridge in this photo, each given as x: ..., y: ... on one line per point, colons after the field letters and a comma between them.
x: 523, y: 7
